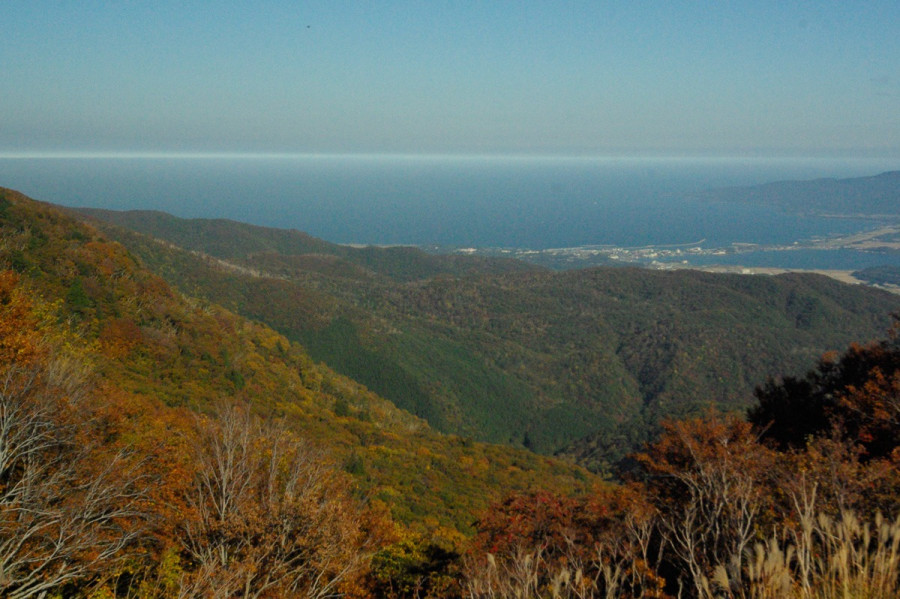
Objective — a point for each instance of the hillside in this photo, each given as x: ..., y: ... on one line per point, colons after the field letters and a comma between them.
x: 583, y: 362
x: 878, y: 195
x: 880, y: 275
x: 157, y: 445
x: 231, y: 240
x: 157, y: 356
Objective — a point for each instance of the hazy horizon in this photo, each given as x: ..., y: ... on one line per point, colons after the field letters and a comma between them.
x: 504, y: 123
x: 410, y: 78
x: 454, y: 201
x: 836, y: 161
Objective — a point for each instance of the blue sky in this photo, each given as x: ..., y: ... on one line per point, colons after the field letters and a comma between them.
x: 693, y: 78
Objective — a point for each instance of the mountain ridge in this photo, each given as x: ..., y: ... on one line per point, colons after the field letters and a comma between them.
x: 876, y: 195
x: 533, y: 357
x: 229, y: 239
x: 166, y: 355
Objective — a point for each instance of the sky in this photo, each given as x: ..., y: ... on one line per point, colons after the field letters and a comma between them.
x: 431, y: 77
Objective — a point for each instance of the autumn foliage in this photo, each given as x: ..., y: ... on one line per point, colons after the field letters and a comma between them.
x: 246, y: 509
x: 730, y: 507
x: 268, y: 516
x: 854, y: 396
x: 152, y: 446
x: 71, y: 504
x: 595, y: 545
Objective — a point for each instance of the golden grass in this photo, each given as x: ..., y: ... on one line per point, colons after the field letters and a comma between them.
x: 826, y: 558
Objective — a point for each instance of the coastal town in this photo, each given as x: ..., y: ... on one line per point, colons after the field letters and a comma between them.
x: 697, y: 255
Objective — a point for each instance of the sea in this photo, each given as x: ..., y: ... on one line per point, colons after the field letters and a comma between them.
x: 464, y: 201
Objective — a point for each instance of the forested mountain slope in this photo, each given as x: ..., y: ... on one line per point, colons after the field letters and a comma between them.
x: 157, y: 356
x: 513, y: 354
x: 232, y: 240
x: 157, y: 445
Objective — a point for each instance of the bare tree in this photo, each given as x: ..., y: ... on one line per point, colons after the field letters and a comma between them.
x: 708, y: 478
x: 610, y: 550
x: 269, y: 514
x: 67, y: 510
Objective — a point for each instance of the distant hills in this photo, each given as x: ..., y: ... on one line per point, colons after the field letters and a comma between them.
x: 880, y: 275
x: 877, y: 195
x: 584, y: 362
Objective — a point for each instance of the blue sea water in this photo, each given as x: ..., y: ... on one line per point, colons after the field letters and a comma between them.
x: 519, y: 202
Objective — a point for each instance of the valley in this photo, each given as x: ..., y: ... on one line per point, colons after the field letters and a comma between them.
x: 382, y: 420
x: 507, y: 351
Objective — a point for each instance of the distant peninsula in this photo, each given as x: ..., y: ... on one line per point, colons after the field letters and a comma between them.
x: 875, y: 196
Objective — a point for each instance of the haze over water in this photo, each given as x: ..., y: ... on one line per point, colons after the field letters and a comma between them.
x: 524, y: 202
x: 390, y: 117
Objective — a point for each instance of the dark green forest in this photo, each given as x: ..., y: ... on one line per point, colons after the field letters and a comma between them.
x: 582, y: 363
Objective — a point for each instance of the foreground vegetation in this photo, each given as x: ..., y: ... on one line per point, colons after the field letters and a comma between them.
x: 721, y: 506
x: 153, y: 445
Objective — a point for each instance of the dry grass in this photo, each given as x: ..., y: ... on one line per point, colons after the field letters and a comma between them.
x: 825, y: 558
x: 529, y: 576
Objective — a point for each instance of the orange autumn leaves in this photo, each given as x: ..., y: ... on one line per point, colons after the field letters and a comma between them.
x: 18, y: 342
x: 69, y: 503
x: 100, y: 487
x: 267, y: 513
x: 724, y: 507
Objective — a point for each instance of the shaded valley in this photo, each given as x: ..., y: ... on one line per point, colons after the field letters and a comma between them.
x: 582, y: 362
